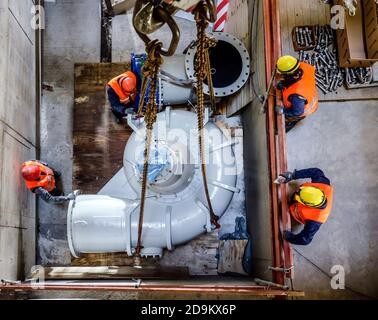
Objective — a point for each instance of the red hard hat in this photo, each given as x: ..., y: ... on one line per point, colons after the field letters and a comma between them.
x: 31, y: 173
x: 128, y: 82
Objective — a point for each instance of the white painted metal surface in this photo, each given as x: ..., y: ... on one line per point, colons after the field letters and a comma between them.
x: 182, y: 67
x: 175, y: 209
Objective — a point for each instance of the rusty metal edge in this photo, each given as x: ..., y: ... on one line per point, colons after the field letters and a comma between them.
x: 276, y: 136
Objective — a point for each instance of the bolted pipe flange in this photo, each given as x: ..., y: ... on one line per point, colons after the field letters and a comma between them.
x: 231, y: 71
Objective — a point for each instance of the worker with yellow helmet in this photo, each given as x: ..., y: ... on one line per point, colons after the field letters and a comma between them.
x: 310, y: 204
x: 298, y: 85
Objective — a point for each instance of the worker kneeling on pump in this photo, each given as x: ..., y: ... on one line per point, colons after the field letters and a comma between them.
x: 310, y: 204
x: 40, y: 179
x: 298, y: 85
x: 121, y: 94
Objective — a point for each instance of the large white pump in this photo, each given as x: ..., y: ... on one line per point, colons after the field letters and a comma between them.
x: 175, y: 209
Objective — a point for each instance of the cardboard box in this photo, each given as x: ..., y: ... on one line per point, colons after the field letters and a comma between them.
x: 351, y: 41
x: 371, y: 28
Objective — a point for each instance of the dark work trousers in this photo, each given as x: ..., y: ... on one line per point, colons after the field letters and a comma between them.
x: 290, y: 123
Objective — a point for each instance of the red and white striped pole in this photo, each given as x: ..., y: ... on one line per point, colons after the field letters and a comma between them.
x: 222, y: 10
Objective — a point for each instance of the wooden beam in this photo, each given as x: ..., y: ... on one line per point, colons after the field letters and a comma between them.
x: 245, y: 291
x: 112, y: 272
x: 122, y: 6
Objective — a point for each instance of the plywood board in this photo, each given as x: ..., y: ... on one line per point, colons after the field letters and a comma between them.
x: 199, y: 255
x: 114, y: 272
x: 231, y: 254
x: 305, y: 12
x: 99, y: 141
x: 239, y: 24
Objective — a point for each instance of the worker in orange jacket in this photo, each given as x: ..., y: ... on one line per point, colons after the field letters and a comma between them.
x: 298, y: 85
x: 310, y: 204
x: 122, y: 93
x: 40, y: 179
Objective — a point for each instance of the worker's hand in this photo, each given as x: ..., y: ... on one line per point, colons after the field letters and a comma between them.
x: 280, y: 85
x: 284, y: 177
x: 279, y: 109
x: 129, y: 111
x: 71, y: 196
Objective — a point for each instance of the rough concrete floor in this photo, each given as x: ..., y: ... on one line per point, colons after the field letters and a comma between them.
x: 341, y: 139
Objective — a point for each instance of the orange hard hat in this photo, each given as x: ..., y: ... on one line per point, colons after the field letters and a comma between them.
x: 31, y: 173
x: 128, y: 82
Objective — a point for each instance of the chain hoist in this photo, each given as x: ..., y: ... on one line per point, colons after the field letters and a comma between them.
x: 202, y: 68
x: 150, y: 72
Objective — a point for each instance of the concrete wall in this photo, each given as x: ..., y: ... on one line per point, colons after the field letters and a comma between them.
x: 18, y: 138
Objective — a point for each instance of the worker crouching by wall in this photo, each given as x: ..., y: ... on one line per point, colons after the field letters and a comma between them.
x: 40, y: 179
x: 121, y: 94
x: 310, y: 204
x: 298, y: 85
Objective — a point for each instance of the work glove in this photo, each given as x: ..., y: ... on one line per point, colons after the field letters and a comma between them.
x: 71, y: 196
x: 284, y: 177
x: 279, y: 109
x: 280, y: 85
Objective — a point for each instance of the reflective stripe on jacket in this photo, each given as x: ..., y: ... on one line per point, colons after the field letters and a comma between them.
x: 301, y: 213
x: 47, y: 179
x: 305, y: 87
x: 124, y: 97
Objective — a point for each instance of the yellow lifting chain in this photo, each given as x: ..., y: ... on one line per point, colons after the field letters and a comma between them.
x: 150, y: 72
x: 202, y: 69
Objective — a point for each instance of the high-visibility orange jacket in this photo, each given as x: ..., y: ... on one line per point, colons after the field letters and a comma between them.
x: 305, y: 87
x: 47, y: 179
x: 124, y: 97
x: 301, y: 212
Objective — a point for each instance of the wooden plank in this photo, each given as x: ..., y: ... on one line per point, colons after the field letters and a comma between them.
x: 238, y: 16
x: 113, y: 272
x: 122, y: 6
x: 231, y: 254
x: 99, y: 141
x: 199, y: 255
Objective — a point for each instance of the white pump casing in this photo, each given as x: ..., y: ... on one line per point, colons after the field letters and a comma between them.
x: 175, y: 208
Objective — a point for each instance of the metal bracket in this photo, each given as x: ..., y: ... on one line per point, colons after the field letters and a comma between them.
x: 270, y: 284
x: 138, y: 282
x: 284, y: 270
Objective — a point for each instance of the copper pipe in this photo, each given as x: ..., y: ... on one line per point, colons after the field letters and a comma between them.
x: 281, y: 250
x: 243, y: 290
x: 281, y: 144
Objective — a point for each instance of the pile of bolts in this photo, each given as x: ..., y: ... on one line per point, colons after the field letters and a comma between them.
x: 356, y: 76
x: 329, y: 76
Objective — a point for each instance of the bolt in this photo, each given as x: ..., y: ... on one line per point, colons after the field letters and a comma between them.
x: 301, y: 55
x: 323, y: 88
x: 297, y: 35
x: 320, y: 80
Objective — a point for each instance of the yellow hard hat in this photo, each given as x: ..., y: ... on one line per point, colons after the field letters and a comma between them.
x: 310, y: 196
x: 287, y: 64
